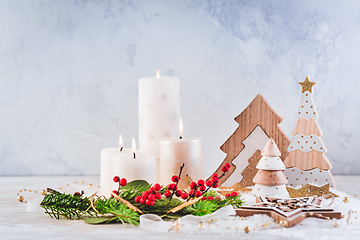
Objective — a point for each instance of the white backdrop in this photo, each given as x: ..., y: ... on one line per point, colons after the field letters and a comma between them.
x: 69, y: 72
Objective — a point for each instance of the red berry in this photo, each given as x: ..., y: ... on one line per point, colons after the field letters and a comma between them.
x: 215, y: 175
x: 123, y: 182
x: 145, y: 194
x: 115, y: 192
x: 142, y: 200
x: 184, y: 195
x: 227, y: 165
x: 152, y: 203
x: 171, y: 186
x: 152, y: 197
x: 198, y: 194
x: 77, y: 194
x: 203, y: 198
x: 215, y: 180
x: 224, y: 169
x: 201, y: 182
x: 193, y: 185
x: 167, y: 193
x: 157, y: 187
x: 191, y: 192
x: 148, y: 202
x: 158, y: 196
x: 178, y: 193
x: 175, y: 178
x: 208, y: 183
x: 210, y: 198
x: 202, y: 188
x: 234, y: 194
x: 227, y: 195
x: 216, y: 185
x: 151, y: 190
x: 217, y: 199
x: 116, y: 179
x: 137, y: 199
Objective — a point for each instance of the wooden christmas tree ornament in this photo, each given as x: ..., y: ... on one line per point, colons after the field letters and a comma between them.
x: 306, y: 162
x: 257, y: 123
x: 270, y: 179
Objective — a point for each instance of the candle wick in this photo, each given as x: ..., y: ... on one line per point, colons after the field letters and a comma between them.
x: 121, y: 149
x: 134, y: 156
x: 180, y: 137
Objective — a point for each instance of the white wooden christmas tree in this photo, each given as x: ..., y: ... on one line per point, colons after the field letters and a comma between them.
x: 270, y: 180
x: 306, y: 162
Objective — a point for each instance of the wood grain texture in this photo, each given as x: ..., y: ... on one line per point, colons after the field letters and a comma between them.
x: 307, y: 127
x: 257, y: 113
x: 307, y: 160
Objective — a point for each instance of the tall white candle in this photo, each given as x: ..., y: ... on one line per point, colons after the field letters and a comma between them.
x: 106, y: 167
x: 159, y: 111
x: 176, y: 151
x: 134, y: 165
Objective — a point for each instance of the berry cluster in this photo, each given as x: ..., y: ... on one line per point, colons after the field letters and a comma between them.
x: 122, y: 182
x: 149, y: 197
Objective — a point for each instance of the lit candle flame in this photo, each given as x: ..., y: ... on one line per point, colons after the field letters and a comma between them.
x: 134, y: 147
x: 158, y: 74
x: 181, y: 129
x: 121, y: 145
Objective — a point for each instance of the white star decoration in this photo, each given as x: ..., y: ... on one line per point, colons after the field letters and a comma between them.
x: 164, y: 96
x: 151, y: 137
x: 173, y: 117
x: 166, y: 134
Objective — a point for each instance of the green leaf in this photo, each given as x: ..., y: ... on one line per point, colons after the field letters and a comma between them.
x: 135, y: 184
x: 99, y: 220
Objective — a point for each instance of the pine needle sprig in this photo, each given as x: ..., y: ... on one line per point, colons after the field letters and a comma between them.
x: 120, y: 211
x: 61, y: 204
x: 201, y: 208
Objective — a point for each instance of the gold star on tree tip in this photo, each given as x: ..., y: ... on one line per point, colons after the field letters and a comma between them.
x: 307, y: 85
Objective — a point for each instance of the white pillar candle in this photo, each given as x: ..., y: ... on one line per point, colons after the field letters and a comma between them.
x: 142, y: 167
x: 159, y: 111
x: 176, y: 151
x: 106, y: 177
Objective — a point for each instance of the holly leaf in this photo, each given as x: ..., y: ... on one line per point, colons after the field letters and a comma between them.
x: 135, y: 184
x: 99, y: 220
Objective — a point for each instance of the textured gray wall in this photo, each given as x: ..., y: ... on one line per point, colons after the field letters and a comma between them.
x: 69, y: 73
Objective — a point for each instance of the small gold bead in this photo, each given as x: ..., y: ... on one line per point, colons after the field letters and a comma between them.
x: 98, y: 186
x: 247, y: 229
x: 327, y: 218
x: 283, y: 223
x: 215, y: 219
x: 335, y: 223
x: 342, y: 216
x: 227, y: 227
x: 25, y: 190
x: 82, y: 182
x: 311, y: 214
x: 17, y: 194
x: 35, y: 191
x: 29, y: 190
x: 90, y: 185
x: 20, y: 198
x: 75, y: 182
x: 234, y: 219
x: 43, y: 192
x: 20, y: 191
x: 242, y: 218
x: 67, y: 184
x: 209, y: 221
x: 225, y: 219
x: 237, y: 229
x: 60, y: 187
x: 346, y: 200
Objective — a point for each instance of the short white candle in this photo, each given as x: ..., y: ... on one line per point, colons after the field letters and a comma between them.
x: 106, y: 167
x: 134, y: 165
x: 176, y: 151
x: 159, y: 112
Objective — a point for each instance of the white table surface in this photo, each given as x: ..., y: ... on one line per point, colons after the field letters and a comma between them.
x: 17, y: 223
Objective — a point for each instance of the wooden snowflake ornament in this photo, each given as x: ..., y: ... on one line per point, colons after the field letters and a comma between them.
x: 257, y: 123
x: 306, y: 162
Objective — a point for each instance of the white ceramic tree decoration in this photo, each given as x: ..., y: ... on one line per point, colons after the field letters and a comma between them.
x: 270, y: 180
x: 306, y: 162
